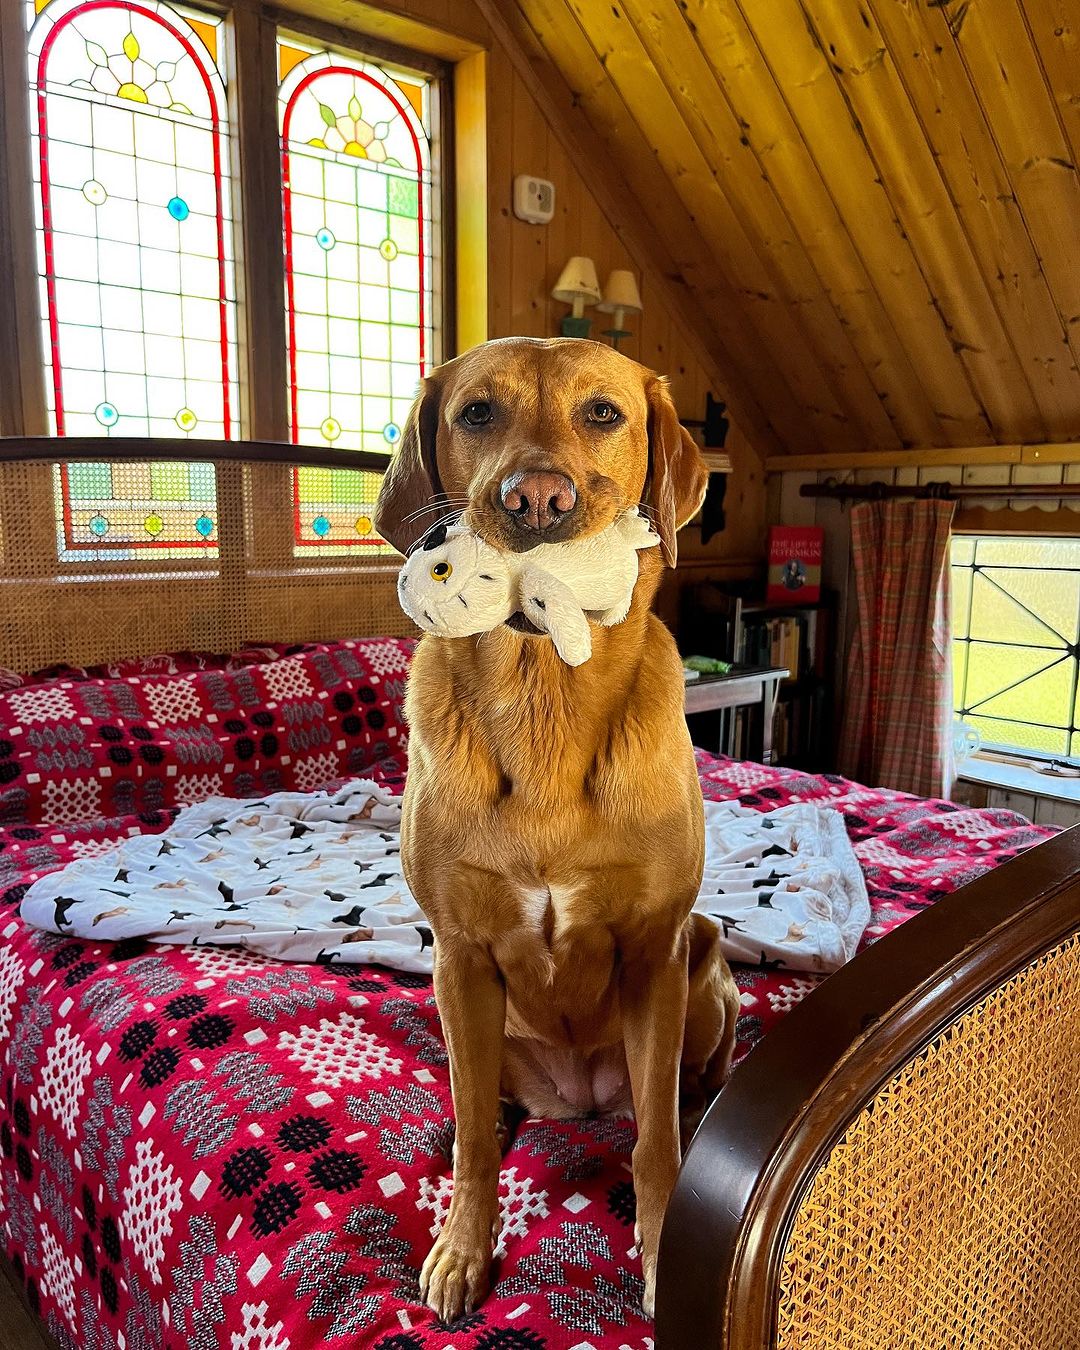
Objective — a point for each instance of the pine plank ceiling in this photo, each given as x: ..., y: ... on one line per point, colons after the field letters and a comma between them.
x: 875, y: 203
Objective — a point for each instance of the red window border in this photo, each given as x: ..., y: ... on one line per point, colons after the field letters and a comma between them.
x: 286, y: 185
x: 50, y: 273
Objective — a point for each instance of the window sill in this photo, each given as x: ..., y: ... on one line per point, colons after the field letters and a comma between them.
x: 1019, y: 778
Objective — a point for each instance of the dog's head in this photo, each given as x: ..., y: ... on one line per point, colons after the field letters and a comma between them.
x: 541, y: 441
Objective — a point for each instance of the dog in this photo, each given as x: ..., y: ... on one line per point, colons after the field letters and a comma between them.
x: 552, y: 822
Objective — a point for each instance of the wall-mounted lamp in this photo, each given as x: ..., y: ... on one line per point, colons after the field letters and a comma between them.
x: 577, y: 286
x: 621, y: 297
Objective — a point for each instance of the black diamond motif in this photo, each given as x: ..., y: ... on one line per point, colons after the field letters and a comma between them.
x: 158, y: 1066
x: 337, y: 1171
x: 110, y: 1239
x: 207, y: 1033
x: 275, y: 1207
x: 245, y: 1171
x: 303, y: 1134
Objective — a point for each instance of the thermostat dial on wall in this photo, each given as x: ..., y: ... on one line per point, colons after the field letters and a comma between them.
x: 534, y: 199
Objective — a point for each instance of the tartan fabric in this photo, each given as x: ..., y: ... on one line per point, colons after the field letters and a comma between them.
x: 898, y: 709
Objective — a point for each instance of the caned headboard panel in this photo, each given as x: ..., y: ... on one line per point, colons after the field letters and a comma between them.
x: 244, y: 582
x: 895, y: 1166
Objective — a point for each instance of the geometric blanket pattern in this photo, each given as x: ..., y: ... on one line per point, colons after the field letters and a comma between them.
x: 210, y: 1149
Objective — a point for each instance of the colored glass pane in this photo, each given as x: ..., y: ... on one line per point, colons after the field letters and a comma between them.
x: 130, y: 152
x: 359, y: 201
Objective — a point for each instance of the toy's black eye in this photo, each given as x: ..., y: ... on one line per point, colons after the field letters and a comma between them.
x: 603, y: 414
x: 476, y: 414
x: 441, y: 571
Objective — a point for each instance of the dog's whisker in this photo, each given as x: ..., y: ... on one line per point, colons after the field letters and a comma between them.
x: 448, y: 521
x: 438, y: 506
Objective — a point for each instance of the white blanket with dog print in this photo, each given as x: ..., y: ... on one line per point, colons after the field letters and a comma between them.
x: 317, y: 877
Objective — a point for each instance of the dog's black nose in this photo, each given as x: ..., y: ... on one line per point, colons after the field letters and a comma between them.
x: 538, y: 500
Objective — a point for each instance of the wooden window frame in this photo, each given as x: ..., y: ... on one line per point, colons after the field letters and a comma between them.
x: 457, y: 68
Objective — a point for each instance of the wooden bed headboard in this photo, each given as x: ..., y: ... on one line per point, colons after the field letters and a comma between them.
x: 82, y: 589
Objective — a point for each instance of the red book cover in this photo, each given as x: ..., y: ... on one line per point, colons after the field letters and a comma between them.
x: 795, y: 564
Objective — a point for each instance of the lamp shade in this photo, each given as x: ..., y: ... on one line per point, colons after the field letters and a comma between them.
x: 621, y: 292
x: 577, y: 281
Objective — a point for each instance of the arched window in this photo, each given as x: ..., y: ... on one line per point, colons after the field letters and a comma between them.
x: 129, y: 123
x: 357, y: 198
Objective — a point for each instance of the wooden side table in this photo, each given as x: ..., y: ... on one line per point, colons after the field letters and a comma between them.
x: 743, y: 687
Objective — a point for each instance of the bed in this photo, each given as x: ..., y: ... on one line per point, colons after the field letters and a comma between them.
x: 204, y: 1148
x: 200, y: 1146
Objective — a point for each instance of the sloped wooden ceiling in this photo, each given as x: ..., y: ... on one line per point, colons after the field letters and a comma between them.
x: 875, y: 203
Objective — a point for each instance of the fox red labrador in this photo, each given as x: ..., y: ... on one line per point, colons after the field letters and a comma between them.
x: 553, y: 824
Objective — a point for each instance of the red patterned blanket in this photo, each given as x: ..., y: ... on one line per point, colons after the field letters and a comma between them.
x: 204, y: 1149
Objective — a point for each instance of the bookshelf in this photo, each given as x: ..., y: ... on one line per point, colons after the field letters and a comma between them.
x: 738, y: 626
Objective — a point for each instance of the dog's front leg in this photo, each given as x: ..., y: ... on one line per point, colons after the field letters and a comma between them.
x: 472, y: 1004
x: 653, y: 994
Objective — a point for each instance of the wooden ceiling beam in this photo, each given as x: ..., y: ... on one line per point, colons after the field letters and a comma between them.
x: 703, y: 105
x: 802, y: 70
x: 784, y: 160
x: 965, y: 154
x: 896, y: 144
x: 612, y: 55
x: 1024, y: 118
x: 676, y: 260
x: 1048, y: 452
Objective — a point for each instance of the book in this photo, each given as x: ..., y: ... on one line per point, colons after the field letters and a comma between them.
x: 795, y: 564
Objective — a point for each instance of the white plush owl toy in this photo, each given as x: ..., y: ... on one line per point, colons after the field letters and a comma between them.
x: 456, y: 585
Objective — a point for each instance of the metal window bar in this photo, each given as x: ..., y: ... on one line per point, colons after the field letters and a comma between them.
x: 1068, y: 652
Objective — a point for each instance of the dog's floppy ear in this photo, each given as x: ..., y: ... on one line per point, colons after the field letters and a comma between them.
x: 677, y: 474
x: 411, y: 483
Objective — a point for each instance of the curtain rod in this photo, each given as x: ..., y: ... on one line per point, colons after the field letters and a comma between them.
x: 948, y: 492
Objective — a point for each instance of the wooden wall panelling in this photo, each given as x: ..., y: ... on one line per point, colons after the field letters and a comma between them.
x: 500, y: 120
x: 784, y: 159
x: 898, y: 148
x: 589, y: 117
x: 995, y: 45
x: 805, y: 76
x: 966, y: 154
x: 705, y: 109
x: 776, y: 315
x: 528, y: 243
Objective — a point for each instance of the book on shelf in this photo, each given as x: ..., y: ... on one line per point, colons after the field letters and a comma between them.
x: 789, y: 641
x: 795, y: 564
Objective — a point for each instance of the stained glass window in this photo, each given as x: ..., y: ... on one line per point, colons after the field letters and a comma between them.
x: 130, y: 152
x: 1016, y: 641
x: 359, y: 236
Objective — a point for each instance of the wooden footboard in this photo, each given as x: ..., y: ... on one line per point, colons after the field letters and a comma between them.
x: 896, y: 1164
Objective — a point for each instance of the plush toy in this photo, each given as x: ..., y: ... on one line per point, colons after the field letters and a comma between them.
x: 456, y: 585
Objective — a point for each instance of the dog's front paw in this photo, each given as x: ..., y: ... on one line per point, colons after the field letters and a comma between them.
x: 648, y: 1270
x: 648, y: 1297
x: 455, y: 1275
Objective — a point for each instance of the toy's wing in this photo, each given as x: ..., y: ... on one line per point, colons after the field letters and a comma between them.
x: 549, y: 604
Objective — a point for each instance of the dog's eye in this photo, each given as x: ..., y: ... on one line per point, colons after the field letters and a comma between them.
x: 441, y: 571
x: 603, y: 414
x: 476, y: 414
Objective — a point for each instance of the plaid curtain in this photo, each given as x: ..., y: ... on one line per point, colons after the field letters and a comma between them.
x: 897, y: 727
